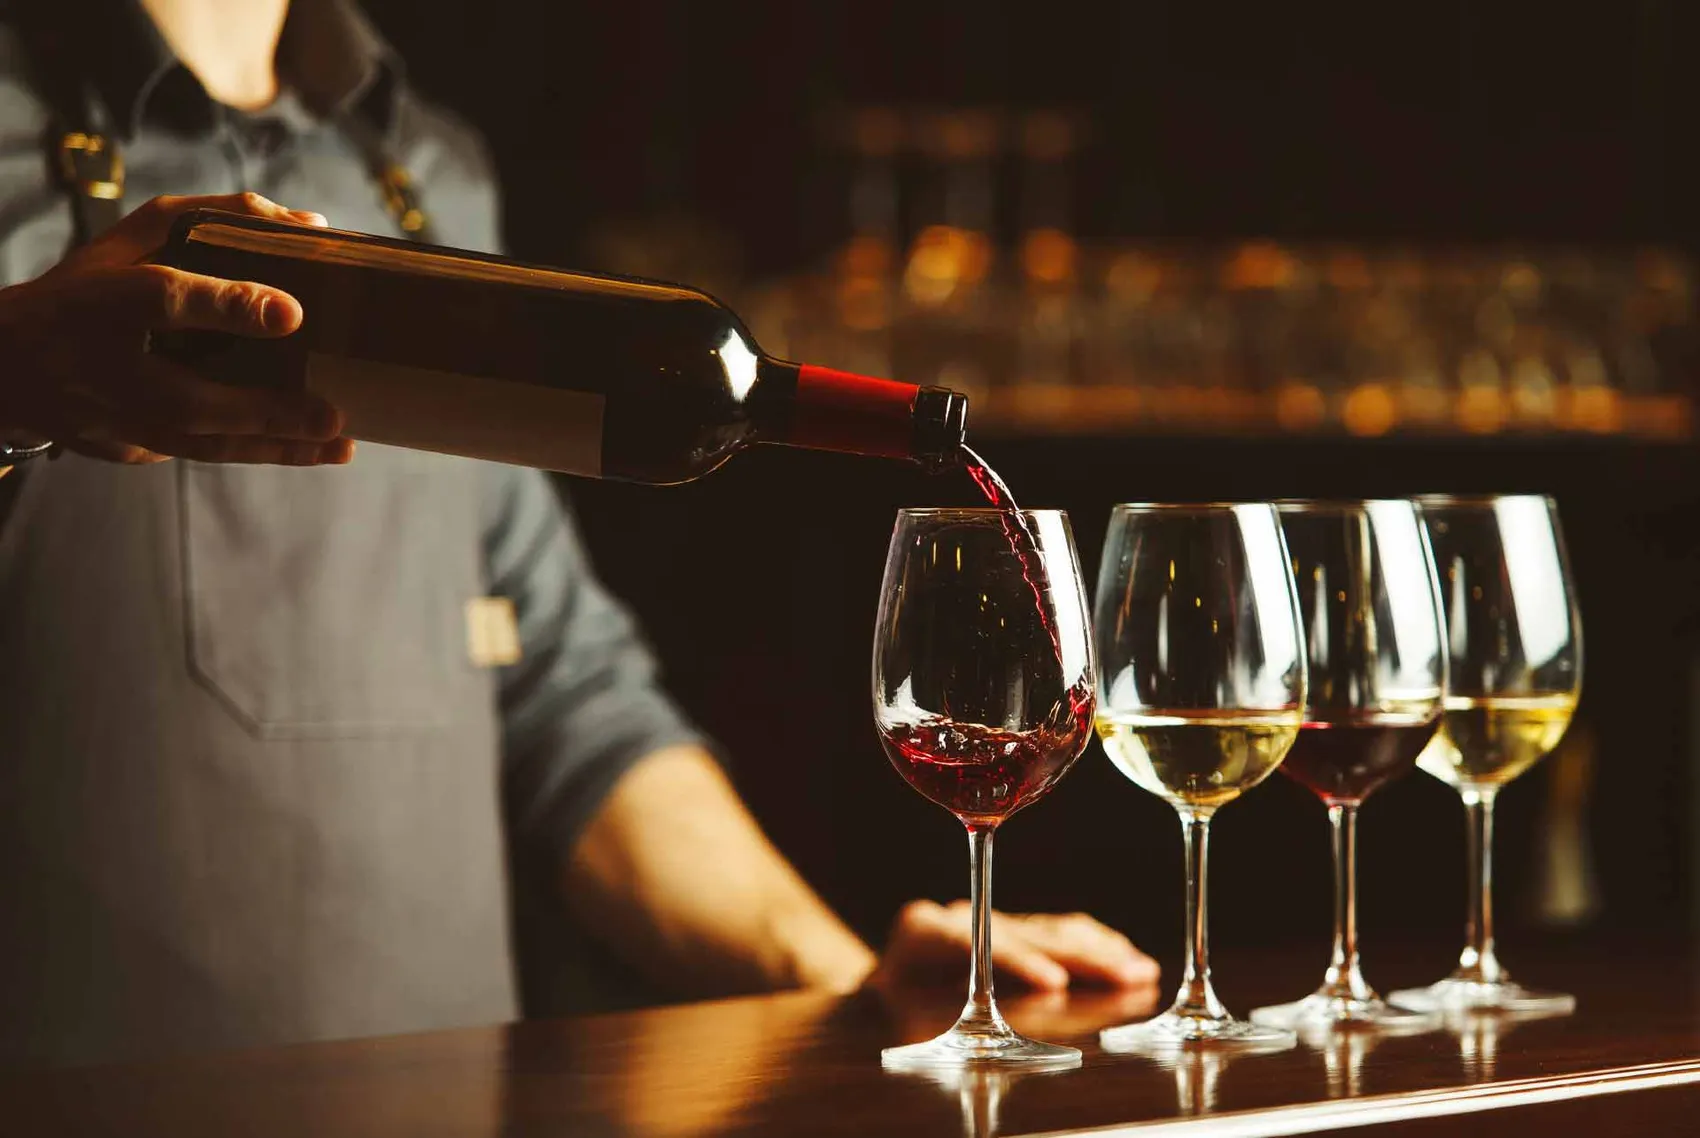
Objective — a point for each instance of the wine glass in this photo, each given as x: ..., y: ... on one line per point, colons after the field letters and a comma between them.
x: 984, y: 686
x: 1377, y: 666
x: 1197, y: 627
x: 1515, y: 646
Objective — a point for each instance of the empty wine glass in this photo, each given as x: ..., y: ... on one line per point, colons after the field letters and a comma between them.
x: 1377, y: 676
x: 1514, y: 639
x: 983, y: 683
x: 1197, y: 627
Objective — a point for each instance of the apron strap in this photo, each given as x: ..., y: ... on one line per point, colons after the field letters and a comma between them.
x: 401, y: 196
x: 85, y: 160
x: 91, y: 172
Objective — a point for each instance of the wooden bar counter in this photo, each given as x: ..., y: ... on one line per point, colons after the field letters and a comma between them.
x: 1628, y: 1062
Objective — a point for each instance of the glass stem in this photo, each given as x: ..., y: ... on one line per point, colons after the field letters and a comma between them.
x: 1197, y: 999
x: 1344, y: 980
x: 1477, y: 962
x: 980, y: 1014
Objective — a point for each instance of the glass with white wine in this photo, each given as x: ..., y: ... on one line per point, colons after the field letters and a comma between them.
x: 1515, y: 648
x: 1203, y: 691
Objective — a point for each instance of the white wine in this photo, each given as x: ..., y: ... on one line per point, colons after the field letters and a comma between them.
x: 1199, y: 758
x: 1488, y: 741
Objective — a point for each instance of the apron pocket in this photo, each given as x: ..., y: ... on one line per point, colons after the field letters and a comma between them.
x: 321, y: 602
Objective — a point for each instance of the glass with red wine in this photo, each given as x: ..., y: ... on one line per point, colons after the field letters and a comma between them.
x: 1376, y: 655
x: 983, y: 685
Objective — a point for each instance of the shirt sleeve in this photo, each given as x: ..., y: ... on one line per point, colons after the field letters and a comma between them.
x: 583, y: 703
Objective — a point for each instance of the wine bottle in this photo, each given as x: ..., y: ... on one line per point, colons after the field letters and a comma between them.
x: 464, y: 353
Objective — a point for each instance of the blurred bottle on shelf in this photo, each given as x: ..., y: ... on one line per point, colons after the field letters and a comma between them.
x: 1526, y: 346
x: 1481, y: 392
x: 949, y: 331
x: 864, y: 281
x: 952, y: 254
x: 1122, y: 352
x: 875, y: 135
x: 1049, y: 317
x: 1249, y: 337
x: 843, y: 316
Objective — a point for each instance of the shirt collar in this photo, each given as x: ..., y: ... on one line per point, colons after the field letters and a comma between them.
x: 328, y: 55
x: 336, y: 61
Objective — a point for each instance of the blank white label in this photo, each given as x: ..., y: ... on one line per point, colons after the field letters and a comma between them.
x: 444, y: 411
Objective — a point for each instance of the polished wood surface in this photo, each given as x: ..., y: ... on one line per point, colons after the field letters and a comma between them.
x: 1627, y: 1062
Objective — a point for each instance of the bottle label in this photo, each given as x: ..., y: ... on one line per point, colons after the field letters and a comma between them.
x: 520, y: 423
x: 839, y: 410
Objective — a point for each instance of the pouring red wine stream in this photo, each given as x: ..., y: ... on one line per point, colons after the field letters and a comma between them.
x: 1026, y: 549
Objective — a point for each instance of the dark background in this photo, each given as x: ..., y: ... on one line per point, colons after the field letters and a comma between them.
x: 1433, y: 122
x: 1451, y: 119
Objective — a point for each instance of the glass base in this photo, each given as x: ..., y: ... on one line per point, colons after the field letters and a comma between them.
x: 1455, y: 994
x: 1171, y: 1030
x: 1321, y: 1012
x: 959, y: 1048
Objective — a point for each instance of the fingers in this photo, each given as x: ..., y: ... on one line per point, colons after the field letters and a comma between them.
x: 229, y: 425
x: 944, y: 932
x: 146, y: 297
x: 76, y: 416
x: 167, y: 393
x: 1079, y: 1011
x: 1044, y: 951
x: 121, y: 453
x: 216, y: 448
x: 1032, y: 966
x: 78, y: 335
x: 1088, y: 949
x: 149, y: 223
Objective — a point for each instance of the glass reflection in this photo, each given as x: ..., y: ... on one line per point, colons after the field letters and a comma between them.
x: 1536, y: 569
x: 1198, y: 1073
x: 1408, y: 567
x: 739, y: 363
x: 1266, y: 680
x: 980, y: 1089
x: 1344, y: 1049
x: 914, y: 1016
x: 1480, y: 1031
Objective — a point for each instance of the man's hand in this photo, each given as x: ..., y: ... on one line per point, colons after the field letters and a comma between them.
x: 929, y: 944
x: 738, y: 918
x: 73, y: 368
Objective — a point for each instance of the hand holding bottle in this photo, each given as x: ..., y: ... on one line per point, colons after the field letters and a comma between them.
x: 78, y: 372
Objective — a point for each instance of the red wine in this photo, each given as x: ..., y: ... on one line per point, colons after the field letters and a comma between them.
x: 1025, y: 547
x: 981, y: 774
x: 1015, y: 529
x: 994, y: 488
x: 1344, y: 759
x: 462, y: 353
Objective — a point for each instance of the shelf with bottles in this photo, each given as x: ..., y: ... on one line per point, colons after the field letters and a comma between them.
x: 941, y: 280
x: 1258, y: 337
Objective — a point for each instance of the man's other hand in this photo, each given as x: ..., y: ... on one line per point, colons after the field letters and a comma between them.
x: 75, y: 369
x: 929, y: 945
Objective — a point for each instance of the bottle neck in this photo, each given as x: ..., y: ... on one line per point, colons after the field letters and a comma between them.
x: 859, y: 414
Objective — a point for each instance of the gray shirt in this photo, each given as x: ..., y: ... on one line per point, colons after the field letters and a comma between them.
x: 256, y: 781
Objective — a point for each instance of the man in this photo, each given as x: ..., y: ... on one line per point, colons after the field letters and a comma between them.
x: 256, y: 783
